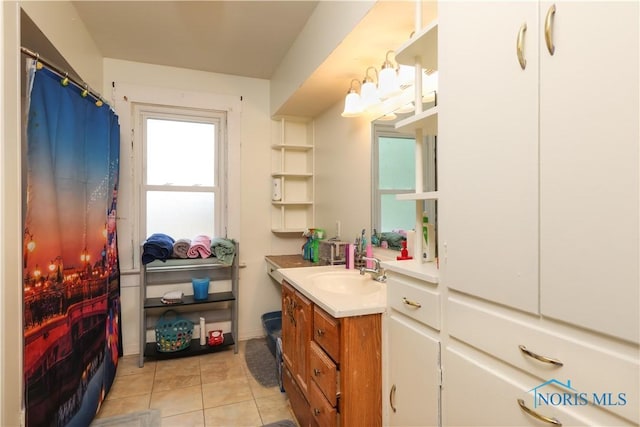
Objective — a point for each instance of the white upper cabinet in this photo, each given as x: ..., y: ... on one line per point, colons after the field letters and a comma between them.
x: 539, y: 158
x: 589, y: 138
x: 488, y: 151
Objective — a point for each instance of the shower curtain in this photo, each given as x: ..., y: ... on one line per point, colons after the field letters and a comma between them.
x: 71, y: 278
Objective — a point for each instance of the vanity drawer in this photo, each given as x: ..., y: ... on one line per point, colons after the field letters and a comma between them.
x: 594, y: 364
x: 324, y: 373
x: 324, y: 414
x: 415, y: 299
x: 326, y: 332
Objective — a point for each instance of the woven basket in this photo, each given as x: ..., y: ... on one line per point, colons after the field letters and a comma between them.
x: 173, y: 333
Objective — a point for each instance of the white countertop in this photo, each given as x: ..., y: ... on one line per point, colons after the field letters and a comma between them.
x: 427, y: 271
x: 336, y: 304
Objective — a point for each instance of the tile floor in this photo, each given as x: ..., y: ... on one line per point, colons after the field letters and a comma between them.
x: 212, y: 390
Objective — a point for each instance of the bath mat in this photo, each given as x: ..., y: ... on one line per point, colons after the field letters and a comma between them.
x: 283, y: 423
x: 149, y: 418
x: 261, y: 362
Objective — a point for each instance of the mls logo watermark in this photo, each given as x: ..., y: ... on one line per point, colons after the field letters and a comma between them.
x: 546, y: 394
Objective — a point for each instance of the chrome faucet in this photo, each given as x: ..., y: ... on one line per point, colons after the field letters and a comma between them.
x: 377, y: 273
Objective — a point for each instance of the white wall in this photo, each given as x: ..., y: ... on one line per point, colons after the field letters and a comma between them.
x: 257, y: 293
x: 343, y: 173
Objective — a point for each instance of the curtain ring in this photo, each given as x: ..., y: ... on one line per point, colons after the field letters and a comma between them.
x: 85, y: 92
x: 65, y: 80
x: 38, y: 63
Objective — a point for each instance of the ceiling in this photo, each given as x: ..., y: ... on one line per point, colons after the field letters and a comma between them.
x: 243, y: 38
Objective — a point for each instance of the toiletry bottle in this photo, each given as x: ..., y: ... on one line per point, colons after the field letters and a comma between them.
x: 369, y: 254
x: 203, y: 332
x: 428, y: 239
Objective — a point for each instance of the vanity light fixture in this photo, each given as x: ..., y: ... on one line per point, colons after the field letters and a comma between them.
x: 353, y: 102
x: 388, y: 85
x: 369, y: 90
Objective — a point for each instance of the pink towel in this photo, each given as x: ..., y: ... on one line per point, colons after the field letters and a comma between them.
x: 200, y: 247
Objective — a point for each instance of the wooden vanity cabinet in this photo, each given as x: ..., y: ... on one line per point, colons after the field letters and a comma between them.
x: 342, y: 356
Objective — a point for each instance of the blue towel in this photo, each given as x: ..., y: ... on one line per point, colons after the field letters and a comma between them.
x: 158, y: 246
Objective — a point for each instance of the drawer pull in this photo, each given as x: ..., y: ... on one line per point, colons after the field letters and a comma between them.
x: 411, y: 303
x: 316, y: 411
x: 392, y: 398
x: 316, y: 372
x: 544, y: 359
x: 320, y: 332
x: 534, y: 414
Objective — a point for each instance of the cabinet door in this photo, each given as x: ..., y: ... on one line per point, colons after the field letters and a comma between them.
x: 488, y: 151
x: 589, y: 167
x: 414, y: 371
x: 304, y: 323
x: 288, y: 325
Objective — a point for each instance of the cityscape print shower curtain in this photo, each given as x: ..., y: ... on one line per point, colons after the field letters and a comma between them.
x: 71, y: 277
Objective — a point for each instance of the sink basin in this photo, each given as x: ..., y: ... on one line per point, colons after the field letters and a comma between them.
x: 345, y: 283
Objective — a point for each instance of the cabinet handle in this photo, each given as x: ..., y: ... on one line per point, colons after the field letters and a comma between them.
x: 392, y: 398
x: 548, y: 29
x: 544, y: 359
x: 316, y: 411
x: 534, y: 414
x: 520, y: 46
x: 411, y: 303
x: 320, y: 332
x: 316, y: 372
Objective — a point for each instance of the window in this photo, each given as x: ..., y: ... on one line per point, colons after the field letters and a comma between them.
x: 183, y: 171
x: 394, y: 173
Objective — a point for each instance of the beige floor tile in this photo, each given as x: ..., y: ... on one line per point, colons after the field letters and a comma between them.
x: 258, y: 390
x: 182, y: 366
x: 172, y: 382
x: 128, y: 365
x: 220, y: 370
x: 274, y: 408
x: 190, y: 419
x: 131, y: 385
x: 243, y: 414
x: 226, y: 392
x: 127, y: 405
x: 178, y: 401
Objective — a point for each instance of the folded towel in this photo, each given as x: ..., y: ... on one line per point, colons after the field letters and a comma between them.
x: 223, y: 249
x: 180, y: 248
x: 157, y: 246
x: 200, y: 247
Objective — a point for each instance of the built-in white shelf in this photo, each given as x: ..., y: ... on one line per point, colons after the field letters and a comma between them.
x: 297, y: 147
x: 292, y: 174
x: 301, y: 202
x: 422, y: 48
x: 426, y: 120
x: 289, y: 230
x: 428, y: 195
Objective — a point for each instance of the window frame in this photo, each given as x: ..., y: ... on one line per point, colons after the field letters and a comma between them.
x: 125, y: 96
x: 143, y: 112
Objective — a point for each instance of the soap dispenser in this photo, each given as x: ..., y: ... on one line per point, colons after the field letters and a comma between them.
x: 404, y: 252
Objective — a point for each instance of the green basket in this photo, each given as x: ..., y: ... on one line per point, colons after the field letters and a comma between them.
x: 173, y: 333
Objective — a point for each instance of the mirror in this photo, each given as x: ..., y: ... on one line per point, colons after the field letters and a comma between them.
x: 393, y: 172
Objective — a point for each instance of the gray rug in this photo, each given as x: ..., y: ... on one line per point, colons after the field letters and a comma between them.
x: 283, y: 423
x: 149, y: 418
x: 261, y: 362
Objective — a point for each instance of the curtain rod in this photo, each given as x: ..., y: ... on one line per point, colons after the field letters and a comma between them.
x: 65, y: 75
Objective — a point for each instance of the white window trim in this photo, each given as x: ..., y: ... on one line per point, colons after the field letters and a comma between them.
x: 126, y: 97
